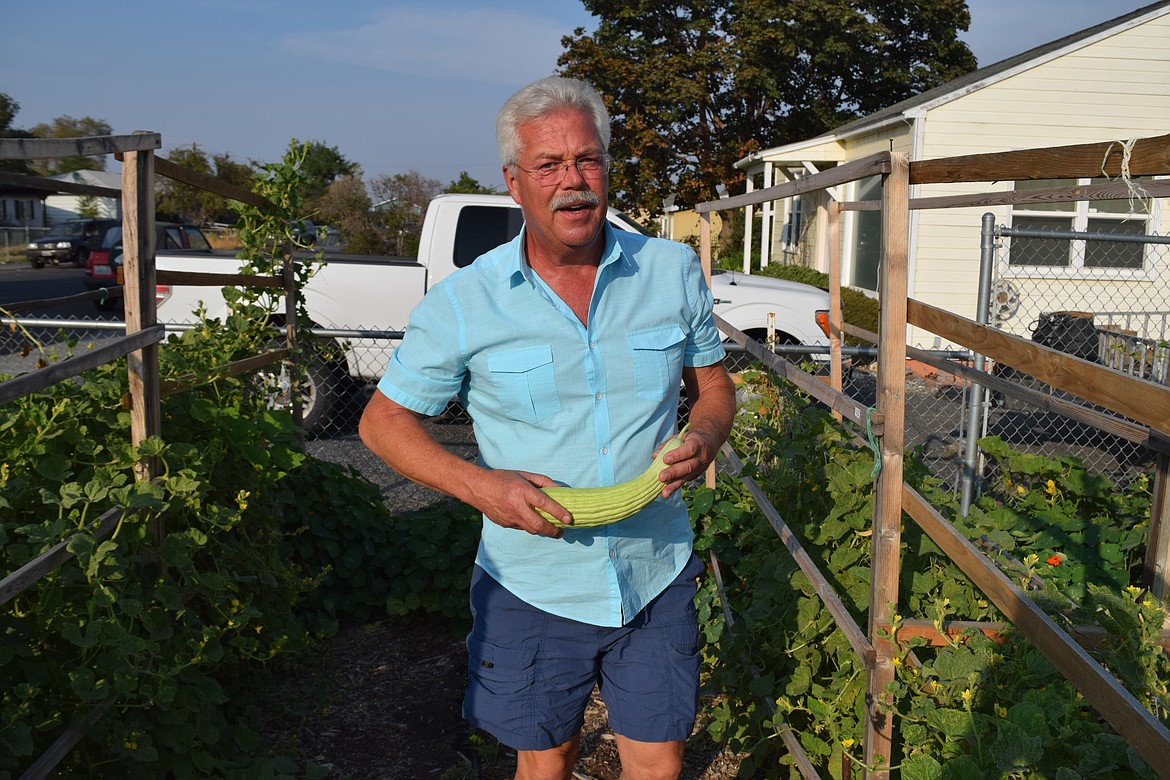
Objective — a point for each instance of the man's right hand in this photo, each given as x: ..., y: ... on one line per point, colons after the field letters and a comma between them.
x: 509, y: 499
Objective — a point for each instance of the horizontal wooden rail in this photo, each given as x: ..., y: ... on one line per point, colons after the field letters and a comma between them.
x: 201, y: 279
x: 1089, y: 192
x: 853, y: 633
x: 76, y: 365
x: 42, y: 148
x: 1088, y: 637
x: 32, y: 572
x: 834, y: 399
x: 1145, y: 402
x: 1133, y: 722
x: 190, y: 381
x: 873, y: 165
x: 1143, y: 157
x: 1108, y: 423
x: 38, y: 184
x: 164, y: 167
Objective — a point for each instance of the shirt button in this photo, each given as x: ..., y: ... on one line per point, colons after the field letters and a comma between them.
x: 599, y: 396
x: 592, y: 345
x: 605, y: 450
x: 613, y: 553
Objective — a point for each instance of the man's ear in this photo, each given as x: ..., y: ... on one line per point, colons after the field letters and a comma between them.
x: 510, y: 183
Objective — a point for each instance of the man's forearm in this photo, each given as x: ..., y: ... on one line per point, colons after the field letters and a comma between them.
x: 397, y: 436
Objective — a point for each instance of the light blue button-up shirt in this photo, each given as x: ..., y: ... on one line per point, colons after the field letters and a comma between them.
x: 586, y: 406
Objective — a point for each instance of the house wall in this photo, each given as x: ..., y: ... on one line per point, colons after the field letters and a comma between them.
x: 1116, y: 88
x: 59, y: 208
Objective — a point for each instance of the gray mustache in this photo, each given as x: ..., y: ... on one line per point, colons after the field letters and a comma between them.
x: 576, y: 198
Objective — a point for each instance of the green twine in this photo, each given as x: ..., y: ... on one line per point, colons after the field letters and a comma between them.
x: 873, y: 445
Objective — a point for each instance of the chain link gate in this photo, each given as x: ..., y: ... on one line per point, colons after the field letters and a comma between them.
x: 1097, y: 296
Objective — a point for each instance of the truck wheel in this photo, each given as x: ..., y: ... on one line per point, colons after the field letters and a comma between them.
x: 36, y: 262
x: 320, y: 394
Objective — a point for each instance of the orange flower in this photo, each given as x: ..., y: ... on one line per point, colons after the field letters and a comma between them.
x: 1055, y: 560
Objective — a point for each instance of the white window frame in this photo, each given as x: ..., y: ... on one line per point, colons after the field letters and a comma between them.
x: 1080, y: 214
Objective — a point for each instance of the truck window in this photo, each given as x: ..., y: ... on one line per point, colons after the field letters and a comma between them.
x: 482, y: 228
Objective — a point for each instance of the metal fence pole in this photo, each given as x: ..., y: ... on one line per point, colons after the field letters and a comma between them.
x: 970, y: 467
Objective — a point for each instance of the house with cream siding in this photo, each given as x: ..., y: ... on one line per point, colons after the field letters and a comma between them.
x: 1108, y: 83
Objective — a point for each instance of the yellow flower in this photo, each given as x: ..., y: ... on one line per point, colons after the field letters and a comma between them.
x: 1001, y: 711
x: 896, y: 661
x: 1050, y: 487
x: 1021, y: 490
x: 966, y: 694
x: 847, y: 743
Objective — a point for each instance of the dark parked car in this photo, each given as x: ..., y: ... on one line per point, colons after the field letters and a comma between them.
x: 70, y: 242
x: 104, y: 265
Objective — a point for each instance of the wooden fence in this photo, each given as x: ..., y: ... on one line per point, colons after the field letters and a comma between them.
x: 1145, y: 404
x: 139, y: 345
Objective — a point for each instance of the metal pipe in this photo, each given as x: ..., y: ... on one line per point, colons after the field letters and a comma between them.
x: 179, y: 327
x: 1074, y: 235
x: 970, y: 464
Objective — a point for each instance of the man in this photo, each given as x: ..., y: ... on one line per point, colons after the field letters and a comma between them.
x: 566, y: 347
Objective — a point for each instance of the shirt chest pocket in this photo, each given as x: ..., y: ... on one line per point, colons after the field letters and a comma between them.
x: 524, y: 382
x: 657, y: 354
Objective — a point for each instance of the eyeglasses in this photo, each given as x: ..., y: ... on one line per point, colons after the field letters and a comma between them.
x: 551, y: 173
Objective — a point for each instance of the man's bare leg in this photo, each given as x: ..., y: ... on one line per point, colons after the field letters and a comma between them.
x: 553, y: 764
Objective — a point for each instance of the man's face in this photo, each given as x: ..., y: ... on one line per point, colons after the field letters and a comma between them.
x: 567, y: 216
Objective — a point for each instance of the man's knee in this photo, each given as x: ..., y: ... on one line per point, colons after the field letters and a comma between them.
x: 650, y: 760
x: 552, y: 764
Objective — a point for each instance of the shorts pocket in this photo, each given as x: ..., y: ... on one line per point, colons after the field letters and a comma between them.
x: 525, y: 382
x: 500, y: 671
x: 657, y: 355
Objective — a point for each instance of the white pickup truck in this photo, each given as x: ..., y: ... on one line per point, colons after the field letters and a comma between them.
x: 378, y: 293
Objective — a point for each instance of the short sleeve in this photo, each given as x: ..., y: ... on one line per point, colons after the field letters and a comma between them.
x: 705, y: 346
x: 427, y: 369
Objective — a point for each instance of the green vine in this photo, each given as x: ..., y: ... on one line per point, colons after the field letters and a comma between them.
x: 969, y: 708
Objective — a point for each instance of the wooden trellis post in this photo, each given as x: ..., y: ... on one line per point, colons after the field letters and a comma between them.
x: 141, y: 312
x: 887, y: 507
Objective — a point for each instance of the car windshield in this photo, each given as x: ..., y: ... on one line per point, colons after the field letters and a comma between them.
x: 182, y: 237
x: 71, y: 229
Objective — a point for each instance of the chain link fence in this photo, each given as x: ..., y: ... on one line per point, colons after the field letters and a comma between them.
x: 1104, y: 298
x: 14, y: 240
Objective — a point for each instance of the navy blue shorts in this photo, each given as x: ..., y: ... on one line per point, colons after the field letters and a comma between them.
x: 530, y: 673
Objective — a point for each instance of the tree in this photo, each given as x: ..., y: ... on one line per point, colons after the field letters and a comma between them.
x: 401, y: 200
x: 183, y: 202
x: 8, y: 111
x: 346, y: 206
x: 71, y: 127
x: 469, y: 186
x: 322, y: 166
x: 694, y: 85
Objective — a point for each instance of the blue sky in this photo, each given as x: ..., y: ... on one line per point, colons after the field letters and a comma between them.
x: 395, y: 86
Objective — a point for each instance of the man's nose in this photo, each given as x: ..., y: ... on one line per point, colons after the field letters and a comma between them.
x: 573, y: 175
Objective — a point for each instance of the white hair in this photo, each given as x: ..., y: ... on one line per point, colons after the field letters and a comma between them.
x: 540, y: 99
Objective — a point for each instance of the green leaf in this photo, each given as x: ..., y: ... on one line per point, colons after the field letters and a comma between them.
x: 963, y: 767
x: 951, y: 722
x: 1015, y: 749
x: 921, y: 767
x: 54, y: 467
